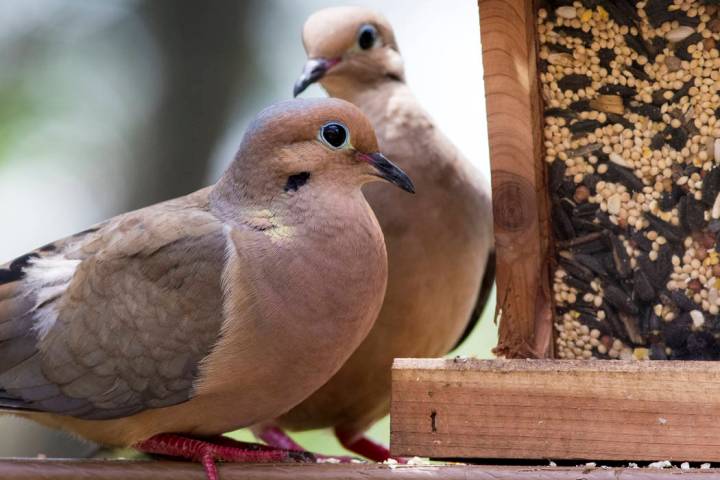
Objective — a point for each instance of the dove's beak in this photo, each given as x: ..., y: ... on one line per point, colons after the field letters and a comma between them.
x: 387, y: 170
x: 314, y: 70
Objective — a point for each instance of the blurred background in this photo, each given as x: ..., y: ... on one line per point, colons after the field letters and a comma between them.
x: 110, y: 106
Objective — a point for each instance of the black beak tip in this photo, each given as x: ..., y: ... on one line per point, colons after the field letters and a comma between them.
x: 313, y: 71
x: 298, y: 88
x: 391, y: 172
x: 404, y: 183
x: 303, y: 83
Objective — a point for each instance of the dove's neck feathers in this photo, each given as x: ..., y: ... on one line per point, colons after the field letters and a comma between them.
x: 288, y: 279
x: 349, y: 86
x: 406, y: 132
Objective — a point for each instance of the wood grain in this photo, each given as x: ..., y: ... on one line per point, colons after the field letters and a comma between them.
x: 507, y: 28
x: 137, y: 470
x: 539, y: 409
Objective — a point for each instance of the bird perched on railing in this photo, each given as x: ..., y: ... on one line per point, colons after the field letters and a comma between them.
x: 212, y: 311
x: 439, y: 244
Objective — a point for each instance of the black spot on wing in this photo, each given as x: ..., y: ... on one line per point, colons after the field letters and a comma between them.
x: 22, y: 262
x: 7, y: 275
x: 11, y: 402
x: 85, y: 232
x: 296, y: 181
x: 50, y: 247
x: 15, y: 271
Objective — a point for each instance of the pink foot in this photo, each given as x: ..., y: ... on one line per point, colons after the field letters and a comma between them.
x: 276, y: 437
x: 365, y: 447
x: 221, y: 448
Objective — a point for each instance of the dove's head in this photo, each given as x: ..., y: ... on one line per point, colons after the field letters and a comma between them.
x: 349, y: 47
x: 300, y: 149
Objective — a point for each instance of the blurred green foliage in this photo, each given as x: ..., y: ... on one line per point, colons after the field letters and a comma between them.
x: 17, y: 112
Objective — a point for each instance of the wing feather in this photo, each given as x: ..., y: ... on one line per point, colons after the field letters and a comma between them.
x: 116, y: 319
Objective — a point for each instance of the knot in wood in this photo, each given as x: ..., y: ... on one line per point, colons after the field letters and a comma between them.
x: 513, y: 202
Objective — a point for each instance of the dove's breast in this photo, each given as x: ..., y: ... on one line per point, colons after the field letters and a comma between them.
x: 316, y: 294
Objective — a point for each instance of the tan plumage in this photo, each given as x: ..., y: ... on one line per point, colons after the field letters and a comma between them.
x: 438, y: 244
x: 212, y: 311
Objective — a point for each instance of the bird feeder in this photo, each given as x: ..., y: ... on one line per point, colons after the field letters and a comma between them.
x: 602, y: 122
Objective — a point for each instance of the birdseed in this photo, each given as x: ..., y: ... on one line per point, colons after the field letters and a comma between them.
x: 632, y: 142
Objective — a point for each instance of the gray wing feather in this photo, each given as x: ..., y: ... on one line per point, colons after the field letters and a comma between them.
x: 115, y: 348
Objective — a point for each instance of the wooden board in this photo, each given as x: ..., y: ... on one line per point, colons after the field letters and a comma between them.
x: 549, y: 409
x: 136, y: 470
x: 520, y: 205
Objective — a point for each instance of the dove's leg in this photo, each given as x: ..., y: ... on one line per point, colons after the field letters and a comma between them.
x: 219, y: 449
x: 362, y: 445
x: 276, y: 437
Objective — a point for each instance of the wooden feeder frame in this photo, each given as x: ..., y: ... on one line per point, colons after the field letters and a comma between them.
x: 516, y: 408
x: 520, y: 199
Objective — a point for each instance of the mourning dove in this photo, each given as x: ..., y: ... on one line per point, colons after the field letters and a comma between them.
x: 210, y: 312
x: 438, y: 244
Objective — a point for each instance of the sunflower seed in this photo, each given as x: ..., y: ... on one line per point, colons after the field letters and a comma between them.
x: 625, y: 176
x: 556, y: 174
x: 575, y: 269
x: 671, y: 232
x: 711, y: 186
x: 584, y: 126
x: 622, y: 90
x: 682, y: 91
x: 657, y: 351
x: 657, y: 12
x: 642, y: 286
x: 585, y: 150
x: 641, y: 241
x: 574, y: 82
x: 692, y: 214
x: 637, y: 44
x: 646, y: 109
x: 585, y: 210
x: 616, y: 325
x: 606, y: 55
x: 561, y: 222
x: 621, y: 260
x: 631, y: 327
x: 678, y: 138
x: 618, y: 299
x: 591, y: 263
x: 560, y: 112
x: 682, y: 301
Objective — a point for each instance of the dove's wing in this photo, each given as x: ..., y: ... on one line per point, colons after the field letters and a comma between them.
x: 116, y: 319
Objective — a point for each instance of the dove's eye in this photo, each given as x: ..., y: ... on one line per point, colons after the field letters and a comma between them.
x: 334, y: 134
x: 367, y: 36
